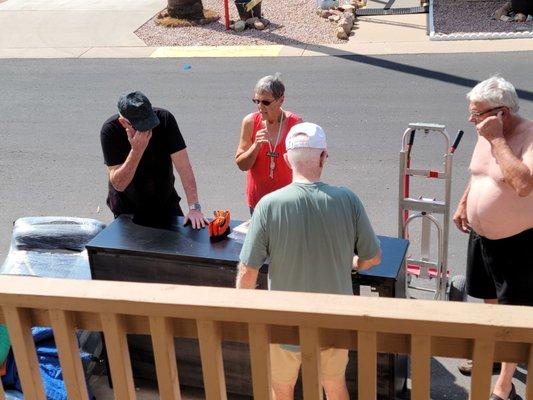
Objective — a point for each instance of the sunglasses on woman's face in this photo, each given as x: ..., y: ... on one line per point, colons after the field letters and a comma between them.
x: 263, y: 102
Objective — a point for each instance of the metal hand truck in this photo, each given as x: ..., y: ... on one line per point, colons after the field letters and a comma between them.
x: 423, y: 208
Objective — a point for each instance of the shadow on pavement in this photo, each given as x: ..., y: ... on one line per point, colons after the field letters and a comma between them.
x: 444, y: 384
x: 422, y: 72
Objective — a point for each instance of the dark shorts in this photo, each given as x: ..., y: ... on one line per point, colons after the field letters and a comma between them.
x: 501, y: 269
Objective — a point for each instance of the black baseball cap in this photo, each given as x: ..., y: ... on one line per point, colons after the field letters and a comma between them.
x: 137, y: 109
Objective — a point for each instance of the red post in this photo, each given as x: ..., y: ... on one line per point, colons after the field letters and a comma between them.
x: 226, y: 14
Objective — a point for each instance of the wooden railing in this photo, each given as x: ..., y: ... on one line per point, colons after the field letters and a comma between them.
x: 370, y: 325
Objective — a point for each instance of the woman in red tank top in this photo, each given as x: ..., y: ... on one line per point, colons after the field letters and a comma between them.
x: 262, y: 142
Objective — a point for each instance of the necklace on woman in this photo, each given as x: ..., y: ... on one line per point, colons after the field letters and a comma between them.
x: 272, y: 153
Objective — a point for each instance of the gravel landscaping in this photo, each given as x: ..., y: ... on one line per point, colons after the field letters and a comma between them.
x: 455, y: 16
x: 292, y: 22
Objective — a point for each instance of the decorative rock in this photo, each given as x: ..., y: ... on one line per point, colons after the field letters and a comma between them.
x: 251, y: 21
x: 265, y: 21
x: 346, y: 22
x: 341, y: 34
x: 503, y: 10
x: 529, y: 18
x: 520, y: 17
x: 505, y: 18
x: 240, y: 26
x: 348, y: 8
x: 259, y: 25
x: 334, y: 18
x: 325, y: 13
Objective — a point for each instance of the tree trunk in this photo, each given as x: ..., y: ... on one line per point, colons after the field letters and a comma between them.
x: 186, y: 9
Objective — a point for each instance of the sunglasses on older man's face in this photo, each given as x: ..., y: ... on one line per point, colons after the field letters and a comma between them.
x: 266, y: 103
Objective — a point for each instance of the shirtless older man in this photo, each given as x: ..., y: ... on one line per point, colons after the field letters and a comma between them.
x: 497, y: 206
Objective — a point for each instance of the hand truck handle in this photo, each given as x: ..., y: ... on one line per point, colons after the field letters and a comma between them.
x: 456, y: 141
x: 411, y: 137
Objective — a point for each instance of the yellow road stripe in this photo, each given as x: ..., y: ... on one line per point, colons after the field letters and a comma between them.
x: 218, y: 51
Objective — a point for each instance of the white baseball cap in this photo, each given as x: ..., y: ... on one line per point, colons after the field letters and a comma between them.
x: 306, y: 135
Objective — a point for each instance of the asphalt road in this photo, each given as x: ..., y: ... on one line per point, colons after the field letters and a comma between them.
x: 51, y: 112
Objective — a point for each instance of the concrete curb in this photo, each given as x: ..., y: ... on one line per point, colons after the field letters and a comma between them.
x: 357, y: 49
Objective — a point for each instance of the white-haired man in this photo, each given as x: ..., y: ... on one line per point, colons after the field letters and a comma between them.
x: 497, y: 206
x: 310, y: 231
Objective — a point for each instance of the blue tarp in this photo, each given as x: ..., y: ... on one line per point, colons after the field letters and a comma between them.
x: 48, y: 364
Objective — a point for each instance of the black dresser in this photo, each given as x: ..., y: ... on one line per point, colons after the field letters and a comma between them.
x: 125, y: 251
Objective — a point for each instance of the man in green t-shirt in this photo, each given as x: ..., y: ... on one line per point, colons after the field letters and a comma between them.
x: 310, y: 230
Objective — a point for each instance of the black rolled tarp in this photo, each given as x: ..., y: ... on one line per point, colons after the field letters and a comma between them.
x: 54, y: 233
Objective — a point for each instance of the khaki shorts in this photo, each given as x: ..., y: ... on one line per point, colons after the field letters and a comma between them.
x: 285, y: 364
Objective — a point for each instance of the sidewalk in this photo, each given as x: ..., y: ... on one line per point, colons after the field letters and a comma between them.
x: 104, y: 29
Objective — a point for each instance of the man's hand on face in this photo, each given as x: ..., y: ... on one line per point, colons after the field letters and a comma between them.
x: 196, y: 218
x: 138, y: 140
x: 491, y: 127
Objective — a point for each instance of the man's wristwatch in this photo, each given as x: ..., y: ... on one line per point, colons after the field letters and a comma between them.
x: 195, y: 207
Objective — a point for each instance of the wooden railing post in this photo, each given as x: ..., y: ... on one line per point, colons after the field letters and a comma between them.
x: 64, y: 327
x: 366, y: 365
x: 19, y: 327
x: 420, y: 367
x: 480, y: 385
x: 165, y: 358
x: 118, y: 355
x: 259, y: 339
x: 210, y: 338
x: 310, y: 348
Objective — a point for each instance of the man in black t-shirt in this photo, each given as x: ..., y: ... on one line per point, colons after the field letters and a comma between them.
x: 141, y: 145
